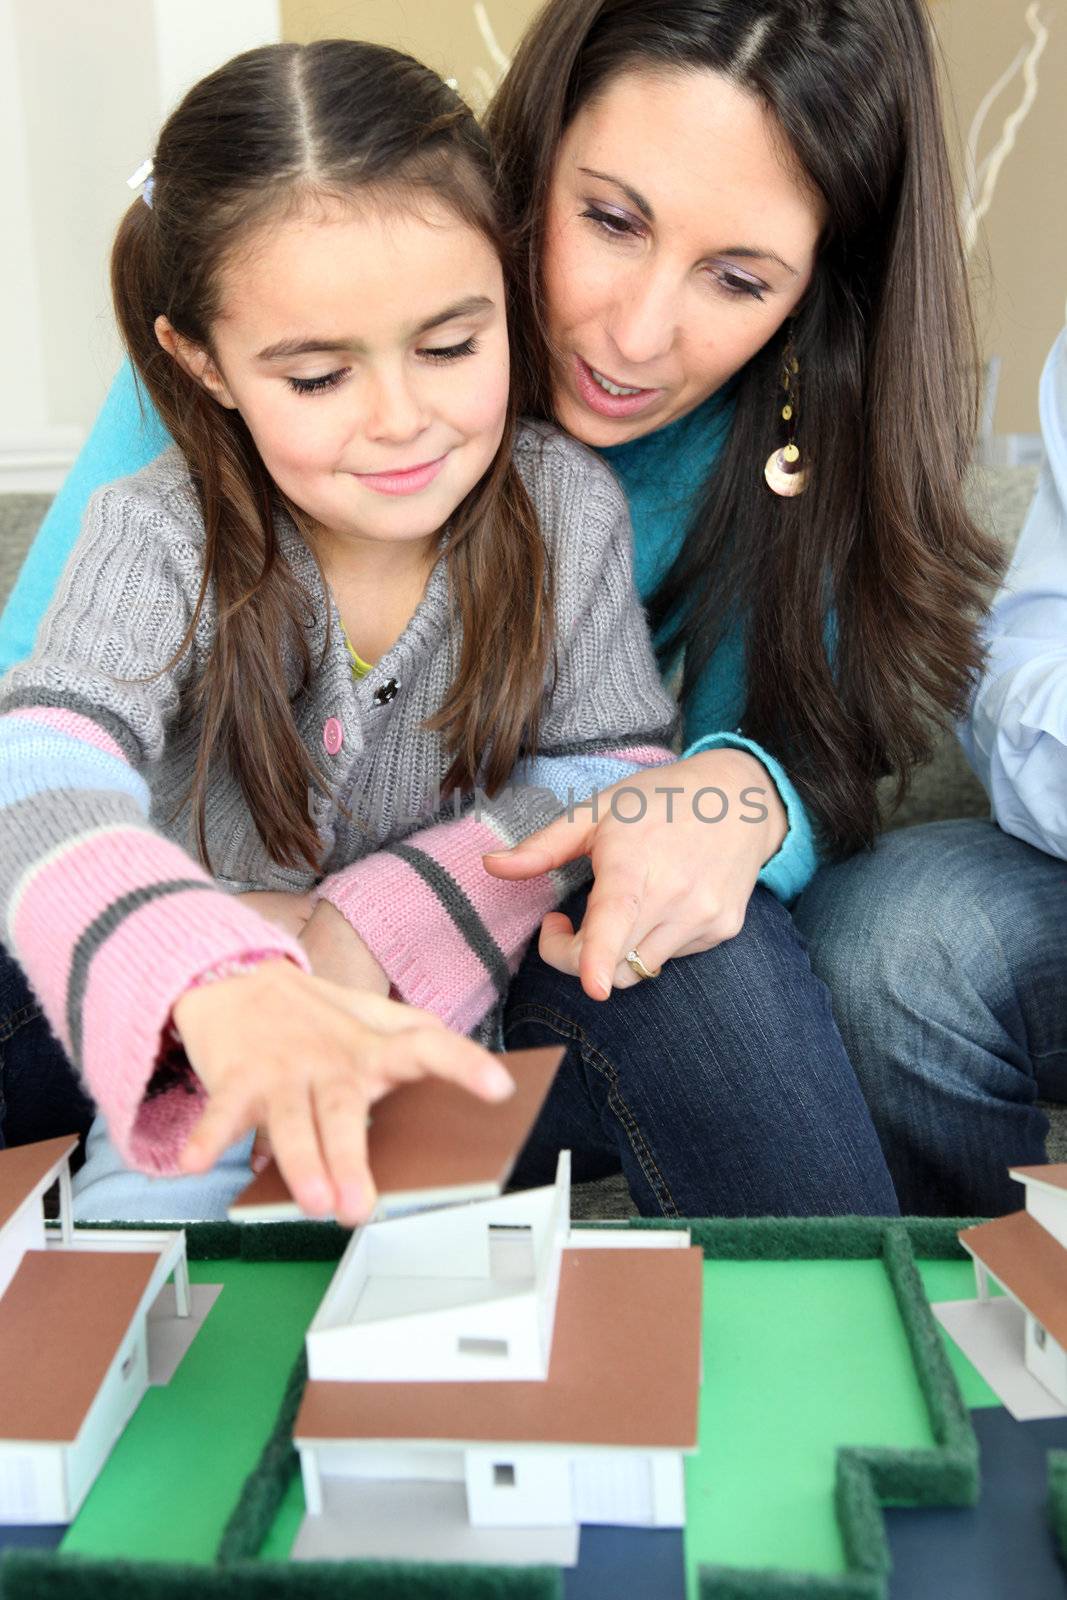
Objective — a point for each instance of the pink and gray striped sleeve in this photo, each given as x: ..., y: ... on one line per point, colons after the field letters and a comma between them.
x: 450, y: 936
x: 110, y: 920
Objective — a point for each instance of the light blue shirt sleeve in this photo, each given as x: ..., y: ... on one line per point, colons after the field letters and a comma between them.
x: 125, y: 437
x: 792, y: 866
x: 1016, y: 734
x: 711, y: 706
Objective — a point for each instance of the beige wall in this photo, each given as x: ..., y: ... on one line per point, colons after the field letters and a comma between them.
x: 443, y: 33
x: 83, y: 90
x: 1020, y: 262
x: 1019, y: 267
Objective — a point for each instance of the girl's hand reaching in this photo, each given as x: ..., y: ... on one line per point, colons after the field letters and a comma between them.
x: 305, y: 1059
x: 334, y: 949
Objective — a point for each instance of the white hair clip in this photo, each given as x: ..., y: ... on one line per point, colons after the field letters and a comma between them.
x: 143, y: 175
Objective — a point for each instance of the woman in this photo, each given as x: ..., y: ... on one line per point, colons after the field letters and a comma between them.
x: 741, y: 231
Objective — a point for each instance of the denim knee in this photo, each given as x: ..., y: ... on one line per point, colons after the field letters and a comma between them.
x: 908, y: 924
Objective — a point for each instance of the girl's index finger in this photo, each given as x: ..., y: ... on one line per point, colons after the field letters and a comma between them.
x: 461, y: 1061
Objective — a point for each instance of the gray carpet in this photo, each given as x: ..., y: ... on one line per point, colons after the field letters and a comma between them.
x: 20, y: 516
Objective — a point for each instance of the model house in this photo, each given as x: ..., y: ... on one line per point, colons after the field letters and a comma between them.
x: 73, y: 1309
x: 543, y: 1376
x: 1026, y: 1254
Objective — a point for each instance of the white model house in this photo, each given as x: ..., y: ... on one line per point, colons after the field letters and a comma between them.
x: 73, y: 1360
x: 1026, y: 1254
x: 546, y: 1376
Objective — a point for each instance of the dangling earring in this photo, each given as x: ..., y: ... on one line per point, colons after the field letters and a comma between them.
x: 783, y: 471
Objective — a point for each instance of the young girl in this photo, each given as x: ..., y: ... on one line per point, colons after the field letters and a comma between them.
x: 355, y: 594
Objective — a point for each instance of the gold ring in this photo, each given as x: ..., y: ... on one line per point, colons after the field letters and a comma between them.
x: 638, y: 966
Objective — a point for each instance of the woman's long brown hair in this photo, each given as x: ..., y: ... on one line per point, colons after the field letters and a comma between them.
x: 264, y: 135
x: 862, y: 597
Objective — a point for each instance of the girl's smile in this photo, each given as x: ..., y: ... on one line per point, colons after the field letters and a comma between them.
x: 402, y: 480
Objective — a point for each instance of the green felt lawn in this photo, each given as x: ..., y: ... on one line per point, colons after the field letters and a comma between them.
x: 173, y: 1478
x: 801, y: 1357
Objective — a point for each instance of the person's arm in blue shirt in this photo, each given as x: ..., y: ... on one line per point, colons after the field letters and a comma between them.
x: 125, y: 437
x: 1016, y: 734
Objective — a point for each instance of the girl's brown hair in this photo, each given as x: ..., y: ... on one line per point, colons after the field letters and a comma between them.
x: 268, y: 133
x: 861, y: 596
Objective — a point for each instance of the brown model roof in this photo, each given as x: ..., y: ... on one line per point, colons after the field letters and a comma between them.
x: 63, y: 1318
x: 625, y: 1370
x: 27, y: 1165
x: 1031, y: 1265
x: 1053, y: 1173
x: 432, y: 1135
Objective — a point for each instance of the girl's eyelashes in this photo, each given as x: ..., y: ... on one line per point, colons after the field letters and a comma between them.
x: 617, y: 225
x: 330, y: 380
x: 451, y: 352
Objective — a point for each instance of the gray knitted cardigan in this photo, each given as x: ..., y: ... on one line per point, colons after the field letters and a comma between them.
x: 92, y: 767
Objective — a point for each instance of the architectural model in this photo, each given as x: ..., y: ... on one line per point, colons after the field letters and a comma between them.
x: 535, y: 1375
x: 1026, y: 1254
x: 73, y: 1337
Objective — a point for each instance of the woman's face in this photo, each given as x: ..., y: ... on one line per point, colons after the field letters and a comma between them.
x: 679, y: 236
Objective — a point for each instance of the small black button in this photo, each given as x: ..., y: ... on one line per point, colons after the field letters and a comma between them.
x: 386, y: 693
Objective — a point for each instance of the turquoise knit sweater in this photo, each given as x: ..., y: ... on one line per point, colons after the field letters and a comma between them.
x: 660, y: 473
x: 663, y: 474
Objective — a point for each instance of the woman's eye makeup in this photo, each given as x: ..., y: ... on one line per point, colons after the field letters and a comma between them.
x: 616, y: 223
x: 735, y: 284
x: 619, y: 225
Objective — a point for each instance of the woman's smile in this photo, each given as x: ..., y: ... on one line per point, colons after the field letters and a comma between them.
x: 607, y: 396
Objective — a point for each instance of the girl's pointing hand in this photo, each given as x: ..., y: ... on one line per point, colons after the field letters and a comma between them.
x: 306, y: 1059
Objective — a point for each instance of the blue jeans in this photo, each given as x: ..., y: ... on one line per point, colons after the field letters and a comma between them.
x: 720, y: 1088
x: 40, y: 1096
x: 945, y: 951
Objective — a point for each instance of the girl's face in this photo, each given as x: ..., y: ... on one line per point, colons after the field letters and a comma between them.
x: 366, y: 348
x: 679, y: 236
